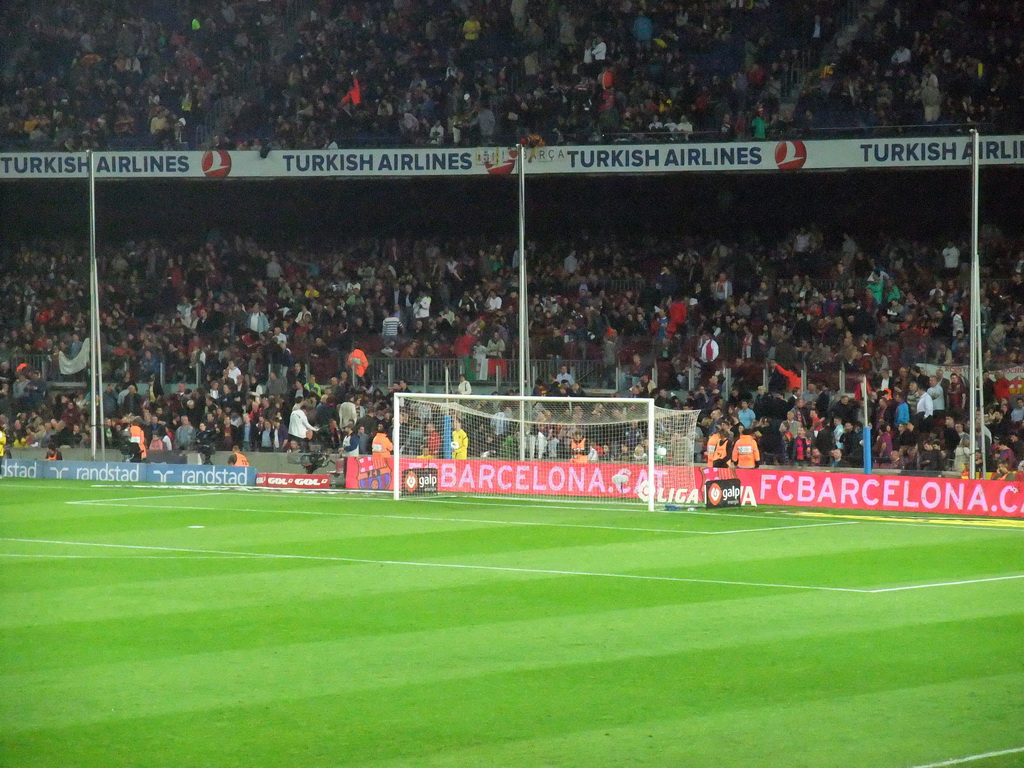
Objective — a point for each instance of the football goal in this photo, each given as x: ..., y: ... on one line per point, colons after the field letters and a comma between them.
x: 585, y: 449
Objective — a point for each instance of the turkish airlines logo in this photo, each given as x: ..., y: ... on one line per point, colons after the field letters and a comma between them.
x: 216, y: 163
x: 790, y: 155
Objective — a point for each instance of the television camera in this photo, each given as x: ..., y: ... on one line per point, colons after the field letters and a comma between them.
x: 318, y: 455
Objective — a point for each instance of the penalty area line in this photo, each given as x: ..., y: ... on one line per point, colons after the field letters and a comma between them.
x: 164, y: 496
x: 453, y: 566
x: 946, y: 584
x: 972, y: 758
x: 476, y: 521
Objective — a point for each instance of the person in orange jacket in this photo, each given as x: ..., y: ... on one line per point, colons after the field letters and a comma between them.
x: 137, y: 440
x: 237, y: 458
x: 718, y: 447
x: 745, y: 453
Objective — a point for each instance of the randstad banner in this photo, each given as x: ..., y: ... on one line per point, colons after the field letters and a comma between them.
x: 124, y: 472
x: 765, y: 156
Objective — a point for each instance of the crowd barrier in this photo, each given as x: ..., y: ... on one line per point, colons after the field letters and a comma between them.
x: 885, y: 493
x: 125, y: 472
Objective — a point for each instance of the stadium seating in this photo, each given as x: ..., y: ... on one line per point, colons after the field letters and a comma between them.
x: 311, y: 75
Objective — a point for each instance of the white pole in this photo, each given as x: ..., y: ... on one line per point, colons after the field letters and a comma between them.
x: 977, y: 403
x: 94, y: 390
x: 396, y: 482
x: 524, y: 325
x: 652, y: 486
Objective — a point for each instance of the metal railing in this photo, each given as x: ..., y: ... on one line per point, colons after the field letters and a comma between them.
x: 439, y: 372
x: 37, y: 361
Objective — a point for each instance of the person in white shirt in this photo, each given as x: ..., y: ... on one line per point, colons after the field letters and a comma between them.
x: 421, y: 308
x: 925, y: 410
x: 938, y: 395
x: 299, y: 428
x: 464, y: 388
x: 951, y: 259
x: 233, y: 372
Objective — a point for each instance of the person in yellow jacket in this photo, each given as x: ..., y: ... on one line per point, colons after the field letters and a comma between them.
x: 718, y: 448
x: 745, y: 453
x: 237, y: 458
x: 460, y: 441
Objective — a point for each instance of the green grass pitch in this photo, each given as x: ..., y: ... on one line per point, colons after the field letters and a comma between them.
x: 191, y: 627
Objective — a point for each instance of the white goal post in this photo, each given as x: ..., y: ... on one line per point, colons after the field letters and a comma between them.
x: 583, y: 448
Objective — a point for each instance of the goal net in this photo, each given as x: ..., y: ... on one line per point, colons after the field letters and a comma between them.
x: 586, y: 448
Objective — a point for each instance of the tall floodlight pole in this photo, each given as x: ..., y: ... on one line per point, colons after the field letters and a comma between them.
x: 524, y: 322
x: 94, y: 393
x: 95, y: 351
x: 977, y: 358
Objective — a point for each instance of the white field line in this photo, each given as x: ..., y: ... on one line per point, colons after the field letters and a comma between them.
x: 777, y: 528
x: 164, y: 496
x: 972, y: 758
x: 947, y: 584
x: 510, y: 569
x: 128, y: 557
x: 422, y: 518
x: 420, y: 564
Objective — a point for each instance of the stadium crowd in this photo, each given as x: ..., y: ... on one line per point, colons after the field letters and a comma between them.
x: 261, y: 73
x: 268, y: 328
x: 938, y: 62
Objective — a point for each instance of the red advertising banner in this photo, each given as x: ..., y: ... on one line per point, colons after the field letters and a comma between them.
x: 885, y: 493
x: 368, y: 473
x: 305, y: 482
x: 547, y: 478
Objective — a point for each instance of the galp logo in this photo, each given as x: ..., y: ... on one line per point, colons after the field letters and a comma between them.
x: 790, y: 155
x: 502, y: 168
x: 216, y: 163
x: 714, y: 494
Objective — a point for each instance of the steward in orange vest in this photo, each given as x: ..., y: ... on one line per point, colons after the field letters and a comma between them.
x: 579, y: 450
x: 745, y: 453
x: 718, y: 448
x: 382, y: 445
x: 138, y: 439
x: 237, y: 458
